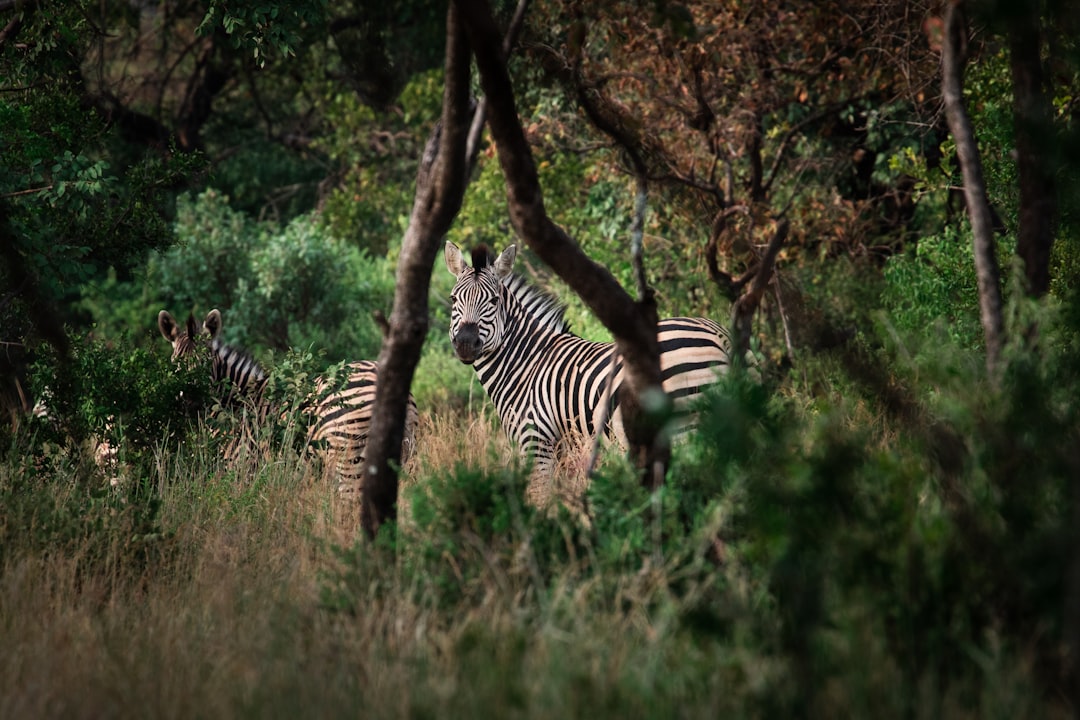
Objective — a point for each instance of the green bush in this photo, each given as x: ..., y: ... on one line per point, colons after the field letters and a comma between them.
x: 308, y: 288
x: 132, y: 398
x: 904, y: 551
x: 277, y: 287
x: 934, y: 283
x: 472, y: 526
x: 378, y: 152
x: 211, y: 256
x: 110, y: 531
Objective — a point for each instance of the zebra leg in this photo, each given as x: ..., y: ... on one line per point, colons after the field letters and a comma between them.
x: 538, y: 491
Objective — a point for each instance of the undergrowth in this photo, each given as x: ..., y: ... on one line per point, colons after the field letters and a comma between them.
x: 899, y: 547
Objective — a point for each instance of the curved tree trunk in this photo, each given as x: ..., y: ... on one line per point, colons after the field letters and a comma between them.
x: 441, y: 180
x: 440, y: 187
x: 633, y: 325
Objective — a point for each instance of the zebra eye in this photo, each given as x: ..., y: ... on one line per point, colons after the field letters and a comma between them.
x: 493, y: 300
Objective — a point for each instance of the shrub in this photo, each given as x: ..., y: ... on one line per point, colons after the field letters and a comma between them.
x: 277, y: 287
x: 131, y: 398
x: 934, y: 283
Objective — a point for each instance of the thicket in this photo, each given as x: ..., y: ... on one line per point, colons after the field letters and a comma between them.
x: 814, y: 553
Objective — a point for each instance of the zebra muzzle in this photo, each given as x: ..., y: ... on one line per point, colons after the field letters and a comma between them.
x: 467, y: 343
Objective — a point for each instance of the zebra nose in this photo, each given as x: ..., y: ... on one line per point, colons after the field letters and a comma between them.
x: 467, y: 342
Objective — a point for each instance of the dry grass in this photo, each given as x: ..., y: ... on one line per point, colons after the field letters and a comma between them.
x: 452, y: 437
x: 228, y: 616
x: 226, y: 619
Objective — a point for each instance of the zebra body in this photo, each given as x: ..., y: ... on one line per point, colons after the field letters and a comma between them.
x: 340, y: 419
x: 549, y: 385
x: 339, y: 414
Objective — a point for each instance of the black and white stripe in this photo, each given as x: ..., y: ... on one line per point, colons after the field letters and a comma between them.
x: 548, y: 384
x: 339, y: 413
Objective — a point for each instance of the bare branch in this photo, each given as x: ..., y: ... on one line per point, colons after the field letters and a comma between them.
x: 472, y: 146
x: 11, y: 29
x: 729, y: 287
x: 637, y: 233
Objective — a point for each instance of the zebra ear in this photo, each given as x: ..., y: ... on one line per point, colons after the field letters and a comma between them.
x: 504, y: 264
x: 454, y: 262
x: 169, y: 328
x: 212, y: 324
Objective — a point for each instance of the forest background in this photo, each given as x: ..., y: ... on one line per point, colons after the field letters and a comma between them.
x: 884, y: 526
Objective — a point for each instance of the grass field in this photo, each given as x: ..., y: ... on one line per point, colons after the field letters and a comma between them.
x: 201, y: 590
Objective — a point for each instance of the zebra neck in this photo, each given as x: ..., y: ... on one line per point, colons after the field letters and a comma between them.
x: 241, y: 371
x: 523, y: 348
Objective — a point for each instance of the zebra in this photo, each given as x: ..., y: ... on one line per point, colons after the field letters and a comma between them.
x: 339, y: 415
x: 233, y: 371
x: 549, y: 385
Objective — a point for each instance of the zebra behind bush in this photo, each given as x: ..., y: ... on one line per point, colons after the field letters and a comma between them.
x: 549, y: 385
x: 339, y: 413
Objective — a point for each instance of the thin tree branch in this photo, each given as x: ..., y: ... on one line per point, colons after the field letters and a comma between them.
x: 472, y: 146
x: 745, y: 307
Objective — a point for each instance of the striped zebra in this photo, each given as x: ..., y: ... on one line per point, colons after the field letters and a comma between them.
x: 339, y: 414
x: 548, y: 384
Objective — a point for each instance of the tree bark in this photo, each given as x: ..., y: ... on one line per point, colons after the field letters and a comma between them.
x: 630, y: 324
x: 743, y: 309
x: 1072, y: 593
x: 967, y: 153
x: 441, y: 182
x: 1033, y: 119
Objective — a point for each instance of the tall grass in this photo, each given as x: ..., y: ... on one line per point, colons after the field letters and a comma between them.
x: 840, y: 554
x: 224, y: 612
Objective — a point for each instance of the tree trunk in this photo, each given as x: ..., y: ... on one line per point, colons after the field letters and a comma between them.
x: 967, y: 153
x: 1033, y: 118
x: 633, y: 326
x: 1072, y: 596
x: 441, y: 182
x: 743, y: 309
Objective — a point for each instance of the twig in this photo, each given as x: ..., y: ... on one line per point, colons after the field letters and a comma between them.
x: 28, y: 191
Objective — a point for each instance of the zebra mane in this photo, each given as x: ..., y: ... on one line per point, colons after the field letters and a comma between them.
x: 539, y: 304
x: 482, y: 257
x: 238, y: 358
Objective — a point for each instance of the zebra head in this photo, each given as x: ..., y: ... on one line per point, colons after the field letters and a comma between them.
x: 478, y: 306
x: 183, y: 339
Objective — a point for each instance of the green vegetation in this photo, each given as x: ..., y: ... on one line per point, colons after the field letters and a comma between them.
x: 828, y: 558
